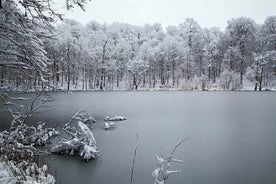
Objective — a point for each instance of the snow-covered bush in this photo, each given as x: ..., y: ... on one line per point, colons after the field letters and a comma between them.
x: 229, y: 80
x: 21, y: 140
x: 38, y: 136
x: 23, y: 172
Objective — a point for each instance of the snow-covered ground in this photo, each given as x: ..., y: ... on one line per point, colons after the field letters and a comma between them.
x: 191, y: 85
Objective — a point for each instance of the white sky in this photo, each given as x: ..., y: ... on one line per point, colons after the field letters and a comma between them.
x: 208, y: 13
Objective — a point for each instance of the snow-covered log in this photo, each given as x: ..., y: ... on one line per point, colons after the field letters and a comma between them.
x: 87, y: 134
x: 67, y: 146
x: 115, y: 118
x: 78, y: 146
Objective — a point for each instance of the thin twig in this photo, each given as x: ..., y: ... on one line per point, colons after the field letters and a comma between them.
x: 133, y: 161
x: 178, y: 144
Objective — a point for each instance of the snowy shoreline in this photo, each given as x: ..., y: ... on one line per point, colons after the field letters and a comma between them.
x: 150, y: 90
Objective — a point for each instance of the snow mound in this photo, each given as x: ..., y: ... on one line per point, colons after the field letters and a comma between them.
x: 115, y: 118
x: 109, y: 126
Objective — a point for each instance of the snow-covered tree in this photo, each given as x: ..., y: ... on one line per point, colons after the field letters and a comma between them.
x: 137, y: 69
x: 258, y: 70
x: 268, y: 47
x: 25, y: 26
x: 241, y: 34
x: 95, y: 56
x: 192, y: 35
x: 229, y: 80
x: 212, y: 60
x: 268, y: 31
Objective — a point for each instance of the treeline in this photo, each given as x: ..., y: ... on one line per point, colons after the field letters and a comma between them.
x: 123, y: 56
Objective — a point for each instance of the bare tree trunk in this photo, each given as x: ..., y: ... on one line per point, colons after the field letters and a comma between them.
x: 62, y: 78
x: 241, y: 74
x: 144, y: 80
x: 77, y: 78
x: 154, y: 80
x: 2, y: 75
x: 209, y: 73
x: 73, y: 72
x: 68, y: 69
x: 242, y: 62
x: 261, y: 78
x: 173, y: 72
x: 57, y: 73
x: 102, y: 82
x: 149, y: 77
x: 68, y: 77
x: 257, y: 77
x: 134, y: 81
x: 83, y: 77
x: 112, y: 81
x: 214, y: 75
x: 117, y: 79
x: 188, y: 70
x: 35, y: 80
x: 162, y: 75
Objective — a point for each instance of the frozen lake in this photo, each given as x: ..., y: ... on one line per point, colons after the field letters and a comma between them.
x: 233, y: 136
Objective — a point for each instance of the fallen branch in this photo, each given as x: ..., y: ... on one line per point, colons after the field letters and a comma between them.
x: 81, y: 139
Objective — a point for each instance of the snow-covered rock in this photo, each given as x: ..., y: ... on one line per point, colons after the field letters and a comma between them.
x: 115, y: 118
x: 109, y: 125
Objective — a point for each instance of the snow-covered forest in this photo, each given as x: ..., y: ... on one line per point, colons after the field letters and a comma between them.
x: 127, y: 57
x: 41, y: 51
